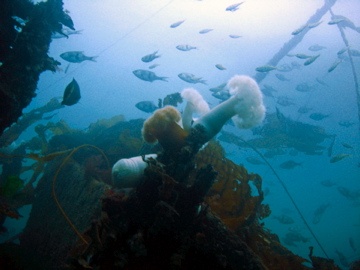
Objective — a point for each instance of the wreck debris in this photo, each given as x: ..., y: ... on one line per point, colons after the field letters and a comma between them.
x: 24, y: 54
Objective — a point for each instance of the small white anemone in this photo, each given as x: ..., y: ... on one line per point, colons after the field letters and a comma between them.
x: 195, y: 105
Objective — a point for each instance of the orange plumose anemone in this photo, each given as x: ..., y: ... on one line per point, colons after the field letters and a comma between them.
x: 163, y: 127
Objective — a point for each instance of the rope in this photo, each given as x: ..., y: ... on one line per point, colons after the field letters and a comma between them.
x: 54, y: 183
x: 289, y: 195
x: 114, y: 43
x: 357, y: 92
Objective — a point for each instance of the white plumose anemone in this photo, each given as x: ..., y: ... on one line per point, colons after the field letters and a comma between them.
x: 245, y: 107
x: 127, y: 172
x: 195, y: 105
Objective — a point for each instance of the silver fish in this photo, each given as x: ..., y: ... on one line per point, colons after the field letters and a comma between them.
x: 185, y: 47
x: 289, y: 164
x: 285, y: 68
x: 328, y: 183
x: 352, y: 244
x: 311, y: 60
x: 65, y: 33
x: 303, y: 87
x: 319, y: 212
x: 176, y: 24
x: 345, y: 22
x: 233, y: 7
x: 315, y: 24
x: 281, y: 77
x: 268, y: 90
x: 302, y: 56
x: 318, y: 116
x: 299, y: 30
x: 234, y: 36
x: 284, y: 219
x: 71, y: 94
x: 346, y: 145
x: 304, y: 109
x: 76, y: 57
x: 342, y: 51
x: 154, y: 66
x: 222, y: 95
x: 336, y: 21
x: 316, y: 48
x: 265, y: 68
x: 346, y: 123
x: 206, y: 30
x: 284, y: 101
x: 322, y: 82
x: 220, y: 67
x: 354, y: 52
x: 334, y: 65
x: 147, y: 75
x: 150, y: 57
x: 218, y: 88
x: 338, y: 157
x: 146, y: 106
x: 331, y: 147
x: 342, y: 258
x: 294, y: 236
x: 190, y: 78
x: 349, y: 194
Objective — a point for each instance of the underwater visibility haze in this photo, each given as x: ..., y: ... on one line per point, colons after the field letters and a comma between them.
x: 296, y: 137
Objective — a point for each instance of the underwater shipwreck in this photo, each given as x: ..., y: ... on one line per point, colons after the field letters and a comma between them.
x: 137, y: 194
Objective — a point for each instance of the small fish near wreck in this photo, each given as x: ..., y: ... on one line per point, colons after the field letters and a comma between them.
x: 190, y: 78
x: 266, y: 68
x: 146, y: 106
x: 176, y: 24
x: 290, y: 164
x: 185, y: 47
x: 206, y: 30
x: 233, y: 7
x: 65, y: 33
x: 150, y: 57
x: 148, y: 76
x: 311, y: 60
x: 318, y: 116
x: 338, y: 157
x: 220, y: 67
x: 76, y: 57
x: 71, y: 94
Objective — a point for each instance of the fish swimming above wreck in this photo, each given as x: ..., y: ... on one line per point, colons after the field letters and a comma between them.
x: 146, y: 106
x: 176, y: 24
x: 71, y: 94
x: 150, y: 57
x: 76, y: 57
x: 148, y: 76
x: 233, y: 7
x: 191, y: 78
x: 185, y: 47
x: 65, y: 33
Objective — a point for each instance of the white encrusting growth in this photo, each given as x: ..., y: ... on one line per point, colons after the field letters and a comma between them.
x: 127, y: 172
